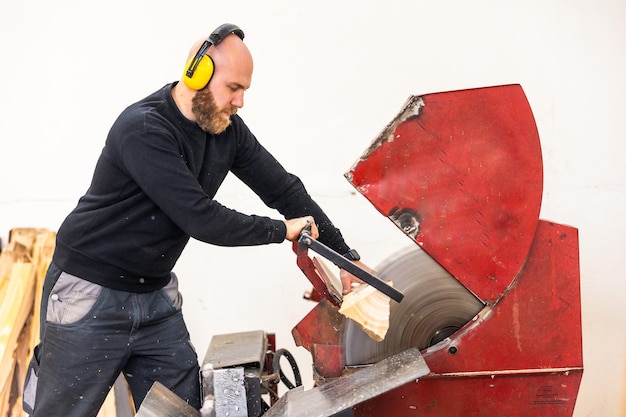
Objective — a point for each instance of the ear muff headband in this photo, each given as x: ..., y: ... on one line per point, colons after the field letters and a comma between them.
x: 200, y: 68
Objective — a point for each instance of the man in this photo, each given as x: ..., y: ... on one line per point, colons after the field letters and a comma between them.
x: 110, y: 302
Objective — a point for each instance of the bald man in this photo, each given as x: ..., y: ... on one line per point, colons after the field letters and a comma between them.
x: 110, y: 301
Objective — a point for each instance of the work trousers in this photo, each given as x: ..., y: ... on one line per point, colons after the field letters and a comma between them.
x: 90, y: 334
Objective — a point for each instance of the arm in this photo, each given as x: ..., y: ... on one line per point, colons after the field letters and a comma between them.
x: 279, y: 189
x: 285, y: 192
x: 165, y: 171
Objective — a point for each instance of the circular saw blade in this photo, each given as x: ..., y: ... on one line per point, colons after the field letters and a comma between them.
x: 435, y: 305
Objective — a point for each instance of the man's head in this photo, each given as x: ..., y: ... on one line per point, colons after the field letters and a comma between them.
x: 212, y: 106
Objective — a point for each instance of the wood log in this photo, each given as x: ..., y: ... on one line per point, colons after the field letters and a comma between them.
x: 21, y: 262
x: 22, y: 359
x: 42, y: 256
x: 15, y: 309
x: 369, y: 308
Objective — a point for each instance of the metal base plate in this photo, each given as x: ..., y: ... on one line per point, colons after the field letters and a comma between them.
x: 345, y: 392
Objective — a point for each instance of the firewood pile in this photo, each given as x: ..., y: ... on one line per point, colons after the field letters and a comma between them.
x: 23, y: 265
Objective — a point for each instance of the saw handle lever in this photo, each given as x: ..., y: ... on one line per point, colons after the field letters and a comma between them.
x: 306, y: 241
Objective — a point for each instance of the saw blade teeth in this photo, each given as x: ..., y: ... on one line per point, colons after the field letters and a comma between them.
x: 435, y: 305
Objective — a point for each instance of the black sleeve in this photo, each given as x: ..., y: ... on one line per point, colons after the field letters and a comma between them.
x: 155, y: 163
x: 281, y: 190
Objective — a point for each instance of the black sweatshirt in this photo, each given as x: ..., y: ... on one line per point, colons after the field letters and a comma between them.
x: 153, y: 189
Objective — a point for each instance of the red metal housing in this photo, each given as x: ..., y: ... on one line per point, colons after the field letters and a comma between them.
x: 461, y: 173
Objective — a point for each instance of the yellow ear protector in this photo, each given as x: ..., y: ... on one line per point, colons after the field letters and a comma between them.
x: 200, y: 68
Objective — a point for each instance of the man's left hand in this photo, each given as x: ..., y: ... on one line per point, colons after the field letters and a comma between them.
x: 348, y: 281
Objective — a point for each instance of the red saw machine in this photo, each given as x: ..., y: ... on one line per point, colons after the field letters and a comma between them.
x: 491, y: 294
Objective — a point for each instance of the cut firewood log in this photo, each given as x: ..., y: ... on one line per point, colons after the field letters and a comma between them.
x: 369, y: 308
x: 22, y: 358
x: 16, y: 306
x: 23, y: 263
x: 42, y: 256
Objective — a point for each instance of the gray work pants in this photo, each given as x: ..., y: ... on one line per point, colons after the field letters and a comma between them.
x: 90, y: 334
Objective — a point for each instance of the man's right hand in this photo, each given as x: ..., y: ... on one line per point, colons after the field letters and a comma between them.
x: 295, y: 226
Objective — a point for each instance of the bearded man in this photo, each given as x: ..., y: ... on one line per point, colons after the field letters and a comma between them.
x: 110, y: 301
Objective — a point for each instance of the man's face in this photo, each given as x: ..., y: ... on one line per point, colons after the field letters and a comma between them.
x: 213, y: 106
x: 209, y: 115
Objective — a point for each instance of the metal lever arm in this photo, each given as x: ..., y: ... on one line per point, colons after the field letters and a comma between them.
x: 307, y: 241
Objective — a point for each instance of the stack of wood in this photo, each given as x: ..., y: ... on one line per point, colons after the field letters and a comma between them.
x: 23, y: 265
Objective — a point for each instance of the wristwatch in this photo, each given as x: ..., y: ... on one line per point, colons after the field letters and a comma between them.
x: 352, y: 254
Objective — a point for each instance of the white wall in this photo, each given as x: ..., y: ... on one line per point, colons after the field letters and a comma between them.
x: 329, y: 75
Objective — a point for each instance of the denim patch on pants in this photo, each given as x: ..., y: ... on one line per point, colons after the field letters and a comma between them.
x: 91, y: 333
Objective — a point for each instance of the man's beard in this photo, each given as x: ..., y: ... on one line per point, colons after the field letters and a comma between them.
x: 209, y: 117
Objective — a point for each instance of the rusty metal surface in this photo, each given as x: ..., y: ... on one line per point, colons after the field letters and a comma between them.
x: 321, y: 326
x: 461, y: 173
x: 343, y: 393
x: 319, y: 332
x: 533, y: 395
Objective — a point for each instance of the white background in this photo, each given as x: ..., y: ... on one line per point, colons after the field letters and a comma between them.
x: 329, y: 75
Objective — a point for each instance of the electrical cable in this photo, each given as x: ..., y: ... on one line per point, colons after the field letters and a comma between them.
x: 294, y: 367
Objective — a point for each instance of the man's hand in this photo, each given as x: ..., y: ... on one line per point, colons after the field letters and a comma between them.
x: 348, y: 280
x: 295, y: 226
